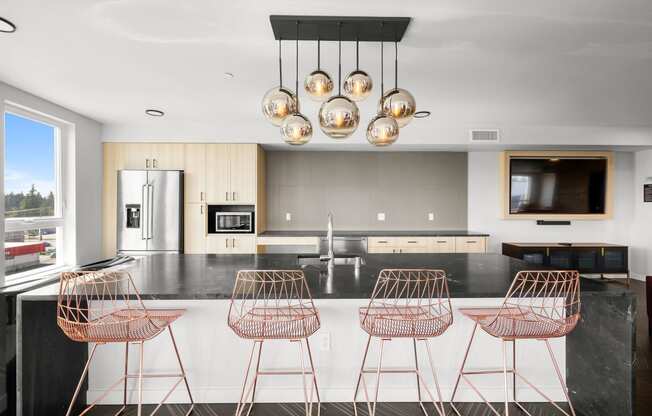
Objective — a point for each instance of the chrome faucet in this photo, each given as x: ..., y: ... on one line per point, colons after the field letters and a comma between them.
x: 329, y: 235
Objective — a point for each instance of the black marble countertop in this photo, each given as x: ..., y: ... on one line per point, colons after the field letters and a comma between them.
x: 389, y: 233
x: 201, y: 276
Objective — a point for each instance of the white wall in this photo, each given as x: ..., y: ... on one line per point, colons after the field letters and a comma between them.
x: 641, y: 231
x: 485, y: 208
x: 85, y: 169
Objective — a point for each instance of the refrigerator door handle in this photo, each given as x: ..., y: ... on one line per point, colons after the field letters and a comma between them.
x: 150, y: 213
x: 144, y: 210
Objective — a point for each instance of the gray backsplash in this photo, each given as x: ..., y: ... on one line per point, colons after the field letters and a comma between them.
x: 356, y: 186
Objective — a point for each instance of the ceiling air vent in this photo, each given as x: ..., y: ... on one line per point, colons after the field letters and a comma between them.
x: 485, y: 136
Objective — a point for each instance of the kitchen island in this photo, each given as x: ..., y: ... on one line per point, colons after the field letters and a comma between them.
x: 597, y: 356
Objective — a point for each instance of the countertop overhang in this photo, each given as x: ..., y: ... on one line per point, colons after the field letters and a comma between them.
x: 200, y: 276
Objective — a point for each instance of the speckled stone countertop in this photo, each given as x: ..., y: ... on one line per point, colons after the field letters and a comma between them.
x: 199, y: 276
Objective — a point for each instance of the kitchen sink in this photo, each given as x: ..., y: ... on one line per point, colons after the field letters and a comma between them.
x: 340, y: 260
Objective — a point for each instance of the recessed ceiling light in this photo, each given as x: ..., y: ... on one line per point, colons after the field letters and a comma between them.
x: 422, y: 114
x: 154, y: 113
x: 6, y: 26
x: 228, y: 75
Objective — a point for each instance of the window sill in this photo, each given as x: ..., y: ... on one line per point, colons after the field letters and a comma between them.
x: 19, y: 281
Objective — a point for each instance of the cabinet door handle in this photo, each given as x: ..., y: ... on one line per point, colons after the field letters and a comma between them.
x: 412, y: 242
x: 201, y: 209
x: 201, y: 196
x: 233, y: 196
x: 146, y: 163
x: 154, y: 163
x: 233, y: 243
x: 393, y: 250
x: 227, y: 196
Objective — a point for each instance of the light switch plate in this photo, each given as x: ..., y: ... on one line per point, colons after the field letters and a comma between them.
x: 381, y: 216
x: 288, y: 216
x: 431, y: 216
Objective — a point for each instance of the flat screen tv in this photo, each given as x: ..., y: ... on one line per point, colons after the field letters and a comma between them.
x: 556, y: 185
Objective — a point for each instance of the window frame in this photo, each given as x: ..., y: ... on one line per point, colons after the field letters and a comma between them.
x: 57, y: 221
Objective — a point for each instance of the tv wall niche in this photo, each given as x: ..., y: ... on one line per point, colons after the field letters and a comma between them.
x: 557, y: 185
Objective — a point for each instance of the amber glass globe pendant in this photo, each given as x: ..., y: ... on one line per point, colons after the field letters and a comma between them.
x: 279, y: 102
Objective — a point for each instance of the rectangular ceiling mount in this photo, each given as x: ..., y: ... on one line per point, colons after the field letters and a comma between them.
x: 363, y: 29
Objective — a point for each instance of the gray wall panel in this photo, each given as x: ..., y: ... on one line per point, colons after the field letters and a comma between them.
x: 355, y: 186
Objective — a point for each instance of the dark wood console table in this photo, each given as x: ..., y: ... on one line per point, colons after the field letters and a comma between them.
x: 588, y: 258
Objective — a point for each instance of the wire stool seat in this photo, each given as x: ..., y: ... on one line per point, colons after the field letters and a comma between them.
x: 100, y: 307
x: 540, y: 305
x: 274, y: 305
x: 405, y: 304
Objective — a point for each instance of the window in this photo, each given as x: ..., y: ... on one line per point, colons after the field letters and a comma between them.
x: 33, y: 195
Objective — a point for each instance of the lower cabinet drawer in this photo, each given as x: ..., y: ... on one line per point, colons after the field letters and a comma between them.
x: 441, y: 245
x: 381, y: 245
x: 231, y: 244
x: 470, y: 244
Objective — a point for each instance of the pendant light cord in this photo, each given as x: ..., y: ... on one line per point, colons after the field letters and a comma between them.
x: 357, y: 54
x: 395, y: 64
x: 339, y: 71
x: 318, y: 54
x: 296, y: 64
x: 382, y: 60
x: 280, y: 65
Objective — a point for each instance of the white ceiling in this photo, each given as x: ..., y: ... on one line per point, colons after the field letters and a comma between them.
x: 552, y: 72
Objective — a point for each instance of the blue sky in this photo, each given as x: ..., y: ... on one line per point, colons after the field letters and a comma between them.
x: 29, y: 155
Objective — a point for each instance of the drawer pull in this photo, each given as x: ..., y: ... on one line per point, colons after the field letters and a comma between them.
x: 382, y: 241
x: 442, y: 241
x: 412, y: 242
x: 471, y: 242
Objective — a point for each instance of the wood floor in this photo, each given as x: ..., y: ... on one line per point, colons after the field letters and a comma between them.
x: 642, y: 366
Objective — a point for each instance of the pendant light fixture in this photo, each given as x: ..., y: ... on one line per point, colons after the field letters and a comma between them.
x: 358, y: 84
x: 382, y: 130
x: 296, y: 129
x: 318, y: 84
x: 339, y: 116
x: 278, y: 103
x: 398, y: 103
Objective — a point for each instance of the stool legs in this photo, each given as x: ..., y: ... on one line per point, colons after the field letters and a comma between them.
x: 421, y: 383
x: 247, y: 397
x: 505, y: 371
x: 81, y: 380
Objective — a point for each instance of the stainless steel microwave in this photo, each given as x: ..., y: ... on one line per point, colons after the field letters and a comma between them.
x: 234, y: 222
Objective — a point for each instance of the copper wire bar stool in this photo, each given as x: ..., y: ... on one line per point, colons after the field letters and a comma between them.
x: 406, y: 303
x: 105, y: 307
x: 539, y: 305
x: 274, y: 305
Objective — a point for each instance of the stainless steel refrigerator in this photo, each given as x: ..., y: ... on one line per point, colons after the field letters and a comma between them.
x: 150, y: 211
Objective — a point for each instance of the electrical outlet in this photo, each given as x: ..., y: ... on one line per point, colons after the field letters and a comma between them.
x: 325, y: 341
x: 288, y: 216
x: 431, y: 216
x: 381, y: 216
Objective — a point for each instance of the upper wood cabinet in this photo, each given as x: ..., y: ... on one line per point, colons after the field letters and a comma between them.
x: 195, y: 173
x: 231, y: 174
x: 149, y: 155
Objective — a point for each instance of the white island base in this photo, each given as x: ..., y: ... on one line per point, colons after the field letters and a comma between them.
x: 215, y: 359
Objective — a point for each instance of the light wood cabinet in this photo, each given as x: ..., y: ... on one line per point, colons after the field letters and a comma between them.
x: 195, y: 173
x: 230, y: 244
x: 149, y: 155
x: 441, y: 245
x: 426, y: 244
x: 217, y: 174
x: 381, y: 245
x: 231, y: 173
x: 194, y: 228
x: 470, y: 244
x: 412, y: 244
